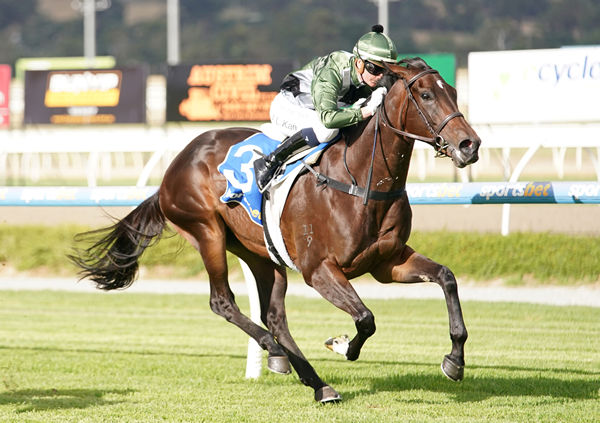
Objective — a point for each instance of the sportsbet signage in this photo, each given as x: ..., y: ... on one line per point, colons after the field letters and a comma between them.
x: 504, y: 192
x: 223, y: 92
x: 88, y: 96
x: 535, y: 86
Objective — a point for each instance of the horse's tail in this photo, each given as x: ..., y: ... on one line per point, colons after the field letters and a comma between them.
x: 112, y: 261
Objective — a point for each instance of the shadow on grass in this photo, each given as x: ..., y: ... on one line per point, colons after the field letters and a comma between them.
x: 52, y: 399
x: 475, y: 388
x: 140, y: 352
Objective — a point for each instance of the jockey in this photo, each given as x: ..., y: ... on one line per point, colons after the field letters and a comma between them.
x: 326, y: 95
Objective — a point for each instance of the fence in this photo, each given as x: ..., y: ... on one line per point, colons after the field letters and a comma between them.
x: 533, y: 192
x: 96, y: 153
x: 506, y: 193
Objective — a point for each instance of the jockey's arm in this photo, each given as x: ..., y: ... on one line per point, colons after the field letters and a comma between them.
x: 325, y: 90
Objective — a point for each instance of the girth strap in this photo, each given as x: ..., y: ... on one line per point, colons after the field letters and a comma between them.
x: 354, y: 190
x: 268, y: 240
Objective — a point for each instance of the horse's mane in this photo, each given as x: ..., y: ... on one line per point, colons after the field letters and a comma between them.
x: 414, y: 62
x: 410, y: 63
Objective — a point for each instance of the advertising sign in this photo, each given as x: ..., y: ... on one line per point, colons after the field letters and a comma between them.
x: 52, y: 63
x: 4, y: 96
x: 581, y: 192
x: 85, y: 96
x: 535, y: 86
x: 223, y: 92
x: 444, y: 63
x: 578, y: 192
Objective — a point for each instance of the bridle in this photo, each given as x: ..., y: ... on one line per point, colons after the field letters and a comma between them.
x: 437, y: 141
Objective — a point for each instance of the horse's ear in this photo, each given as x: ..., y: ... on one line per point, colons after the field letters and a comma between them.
x: 453, y: 93
x: 397, y: 69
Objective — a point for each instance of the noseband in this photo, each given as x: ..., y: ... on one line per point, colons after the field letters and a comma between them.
x: 436, y: 141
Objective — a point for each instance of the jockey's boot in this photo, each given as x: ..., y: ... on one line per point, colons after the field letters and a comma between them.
x: 266, y: 166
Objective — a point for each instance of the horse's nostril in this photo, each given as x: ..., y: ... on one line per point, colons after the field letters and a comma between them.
x: 466, y: 146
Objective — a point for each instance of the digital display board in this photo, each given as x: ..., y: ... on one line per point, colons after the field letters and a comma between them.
x: 223, y: 92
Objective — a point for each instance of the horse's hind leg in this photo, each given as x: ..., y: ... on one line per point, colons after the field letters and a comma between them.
x: 209, y: 238
x: 272, y: 285
x: 412, y: 267
x: 263, y: 271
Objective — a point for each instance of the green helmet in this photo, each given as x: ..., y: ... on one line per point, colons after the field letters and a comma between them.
x: 375, y: 46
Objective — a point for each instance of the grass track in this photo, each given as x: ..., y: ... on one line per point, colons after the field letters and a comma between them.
x: 72, y: 357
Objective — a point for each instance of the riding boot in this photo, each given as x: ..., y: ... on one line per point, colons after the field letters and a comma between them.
x: 266, y: 166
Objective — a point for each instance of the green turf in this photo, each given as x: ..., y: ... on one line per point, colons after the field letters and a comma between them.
x: 518, y: 258
x: 124, y: 357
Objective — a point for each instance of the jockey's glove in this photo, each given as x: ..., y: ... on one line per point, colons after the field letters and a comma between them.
x: 376, y: 99
x: 358, y: 103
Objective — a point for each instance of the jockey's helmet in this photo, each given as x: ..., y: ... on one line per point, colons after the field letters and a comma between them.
x: 376, y: 47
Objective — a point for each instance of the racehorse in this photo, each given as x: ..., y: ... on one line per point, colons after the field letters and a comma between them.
x: 355, y: 228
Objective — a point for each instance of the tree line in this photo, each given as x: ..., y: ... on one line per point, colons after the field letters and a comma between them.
x: 297, y: 30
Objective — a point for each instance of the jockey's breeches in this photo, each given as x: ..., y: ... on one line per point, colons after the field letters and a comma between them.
x: 290, y: 116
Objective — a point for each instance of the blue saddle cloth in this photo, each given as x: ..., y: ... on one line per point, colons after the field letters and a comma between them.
x: 238, y: 169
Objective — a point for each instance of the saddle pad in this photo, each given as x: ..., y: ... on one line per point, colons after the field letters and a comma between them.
x: 238, y: 170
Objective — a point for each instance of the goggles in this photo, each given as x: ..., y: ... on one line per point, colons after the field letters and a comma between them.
x: 373, y: 69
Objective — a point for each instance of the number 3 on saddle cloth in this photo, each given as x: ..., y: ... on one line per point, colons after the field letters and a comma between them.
x: 238, y: 170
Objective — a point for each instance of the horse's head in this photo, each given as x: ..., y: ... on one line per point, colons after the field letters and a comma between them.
x: 422, y: 106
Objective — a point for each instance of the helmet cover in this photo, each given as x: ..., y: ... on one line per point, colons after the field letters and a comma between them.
x: 376, y: 47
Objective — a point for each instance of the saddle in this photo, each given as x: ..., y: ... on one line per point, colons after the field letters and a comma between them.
x: 264, y: 210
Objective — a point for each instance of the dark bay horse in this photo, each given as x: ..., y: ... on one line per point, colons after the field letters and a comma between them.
x: 350, y: 234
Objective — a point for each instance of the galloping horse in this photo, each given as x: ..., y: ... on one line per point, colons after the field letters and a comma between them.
x: 365, y: 232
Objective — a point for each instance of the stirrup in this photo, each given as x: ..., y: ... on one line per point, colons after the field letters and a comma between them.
x: 264, y: 174
x: 266, y: 187
x: 268, y: 180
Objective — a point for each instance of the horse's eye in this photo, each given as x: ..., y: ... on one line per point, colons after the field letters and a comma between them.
x: 426, y: 96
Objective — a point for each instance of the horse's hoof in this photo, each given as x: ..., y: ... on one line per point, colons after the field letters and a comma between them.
x: 338, y: 344
x: 327, y: 394
x: 279, y: 365
x: 452, y: 370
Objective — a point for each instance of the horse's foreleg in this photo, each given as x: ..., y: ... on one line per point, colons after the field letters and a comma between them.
x: 333, y: 285
x: 412, y: 267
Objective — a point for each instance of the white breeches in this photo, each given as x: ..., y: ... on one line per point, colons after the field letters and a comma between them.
x: 289, y: 116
